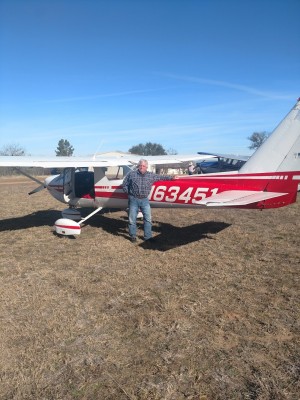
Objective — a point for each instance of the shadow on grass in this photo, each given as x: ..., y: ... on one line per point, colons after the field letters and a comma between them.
x: 171, y: 236
x: 168, y: 236
x: 39, y: 218
x: 36, y: 219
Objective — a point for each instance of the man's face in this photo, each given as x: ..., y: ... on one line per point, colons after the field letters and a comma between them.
x: 142, y: 167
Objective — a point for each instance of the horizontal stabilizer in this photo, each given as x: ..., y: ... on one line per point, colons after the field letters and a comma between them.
x: 238, y: 198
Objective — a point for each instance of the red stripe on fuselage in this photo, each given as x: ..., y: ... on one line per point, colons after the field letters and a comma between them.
x: 111, y: 195
x: 110, y: 192
x: 57, y: 188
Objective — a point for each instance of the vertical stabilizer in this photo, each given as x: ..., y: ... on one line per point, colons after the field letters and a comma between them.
x: 281, y: 151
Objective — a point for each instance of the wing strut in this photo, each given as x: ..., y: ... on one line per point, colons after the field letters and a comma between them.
x: 90, y: 215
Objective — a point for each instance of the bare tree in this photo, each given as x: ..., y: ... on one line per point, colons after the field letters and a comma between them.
x: 172, y: 151
x: 12, y: 150
x: 257, y: 139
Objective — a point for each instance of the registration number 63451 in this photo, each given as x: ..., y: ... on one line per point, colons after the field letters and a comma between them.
x: 175, y: 194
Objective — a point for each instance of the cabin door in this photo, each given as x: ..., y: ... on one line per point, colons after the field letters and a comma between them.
x: 68, y: 183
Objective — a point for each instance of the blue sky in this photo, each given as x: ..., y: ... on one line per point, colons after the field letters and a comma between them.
x: 192, y: 75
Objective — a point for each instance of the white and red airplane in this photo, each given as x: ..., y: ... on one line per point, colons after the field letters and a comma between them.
x: 269, y: 179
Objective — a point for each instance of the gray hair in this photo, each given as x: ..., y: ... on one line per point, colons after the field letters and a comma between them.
x: 143, y: 161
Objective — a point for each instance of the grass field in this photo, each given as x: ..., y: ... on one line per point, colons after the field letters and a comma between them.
x: 209, y: 312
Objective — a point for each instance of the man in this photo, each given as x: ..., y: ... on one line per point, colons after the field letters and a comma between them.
x: 191, y: 168
x: 137, y: 184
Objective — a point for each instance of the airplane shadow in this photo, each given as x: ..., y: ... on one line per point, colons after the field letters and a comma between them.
x: 168, y: 236
x: 39, y: 218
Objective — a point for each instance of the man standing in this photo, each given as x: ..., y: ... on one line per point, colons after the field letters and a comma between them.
x: 137, y: 184
x: 191, y: 168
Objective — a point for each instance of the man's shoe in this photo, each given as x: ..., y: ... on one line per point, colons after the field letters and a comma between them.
x: 133, y: 239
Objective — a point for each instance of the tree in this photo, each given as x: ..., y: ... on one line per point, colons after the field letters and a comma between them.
x: 171, y: 151
x: 64, y: 149
x: 257, y: 139
x: 12, y: 150
x: 148, y: 149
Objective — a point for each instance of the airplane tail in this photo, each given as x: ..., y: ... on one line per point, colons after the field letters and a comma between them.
x: 281, y: 151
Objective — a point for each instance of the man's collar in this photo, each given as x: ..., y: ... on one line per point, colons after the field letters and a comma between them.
x: 141, y: 173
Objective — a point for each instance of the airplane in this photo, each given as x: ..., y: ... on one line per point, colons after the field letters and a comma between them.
x: 269, y: 179
x: 87, y: 182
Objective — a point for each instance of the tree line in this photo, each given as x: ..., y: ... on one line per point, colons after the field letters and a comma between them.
x: 65, y: 149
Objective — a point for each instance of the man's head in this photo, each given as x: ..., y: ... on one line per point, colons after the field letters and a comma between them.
x: 143, y: 166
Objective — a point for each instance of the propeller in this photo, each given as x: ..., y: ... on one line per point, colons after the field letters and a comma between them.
x: 39, y: 188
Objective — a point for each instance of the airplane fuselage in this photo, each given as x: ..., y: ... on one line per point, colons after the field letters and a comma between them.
x: 183, y: 191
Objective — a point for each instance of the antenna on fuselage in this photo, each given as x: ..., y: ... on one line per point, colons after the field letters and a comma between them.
x: 98, y: 148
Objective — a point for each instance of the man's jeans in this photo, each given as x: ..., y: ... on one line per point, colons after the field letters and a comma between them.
x: 134, y: 206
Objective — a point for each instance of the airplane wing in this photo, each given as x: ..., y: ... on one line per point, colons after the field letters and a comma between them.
x: 58, y: 162
x: 97, y: 161
x: 238, y: 198
x: 168, y: 159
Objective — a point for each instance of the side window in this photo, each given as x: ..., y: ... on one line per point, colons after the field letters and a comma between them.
x: 117, y: 172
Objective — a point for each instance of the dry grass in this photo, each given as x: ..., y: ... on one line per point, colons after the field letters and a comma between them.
x: 209, y: 312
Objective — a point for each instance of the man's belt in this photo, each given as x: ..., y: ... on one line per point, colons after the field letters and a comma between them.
x: 141, y: 197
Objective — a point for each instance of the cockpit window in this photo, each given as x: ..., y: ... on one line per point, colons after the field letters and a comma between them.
x: 117, y: 172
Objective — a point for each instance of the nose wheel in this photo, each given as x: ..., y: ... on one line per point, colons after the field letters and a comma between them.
x: 69, y: 227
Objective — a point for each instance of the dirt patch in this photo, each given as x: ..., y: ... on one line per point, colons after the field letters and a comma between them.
x: 210, y: 311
